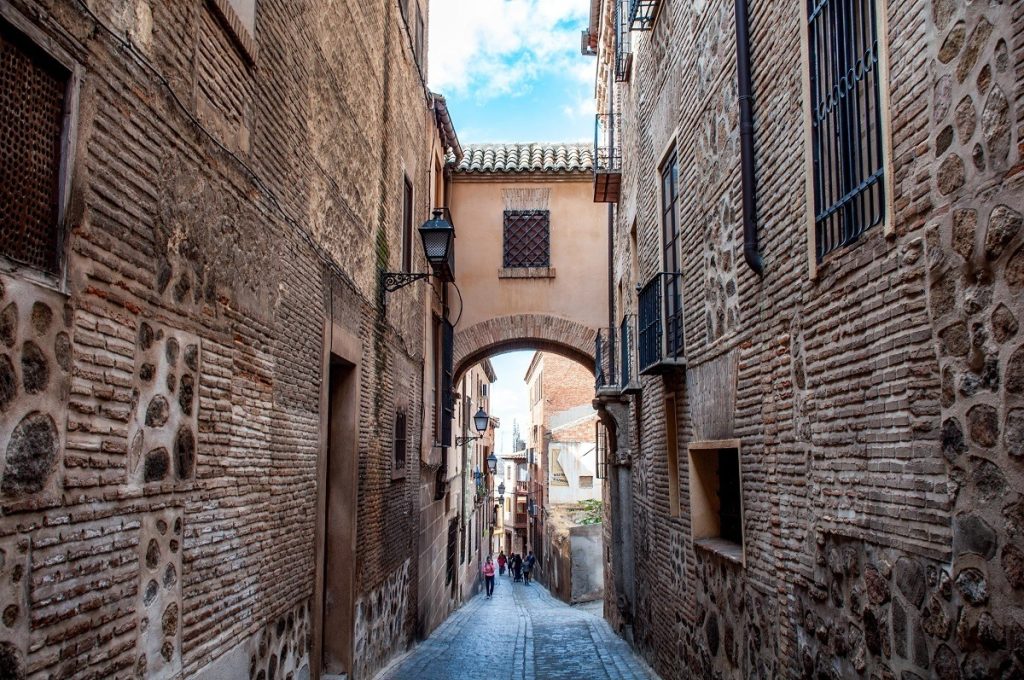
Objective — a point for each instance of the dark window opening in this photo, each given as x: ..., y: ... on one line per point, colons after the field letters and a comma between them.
x: 453, y: 538
x: 407, y: 226
x: 716, y: 498
x: 846, y: 116
x: 33, y: 90
x: 401, y: 444
x: 527, y: 238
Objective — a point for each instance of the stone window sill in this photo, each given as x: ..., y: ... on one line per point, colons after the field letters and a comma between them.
x: 722, y: 548
x: 526, y: 273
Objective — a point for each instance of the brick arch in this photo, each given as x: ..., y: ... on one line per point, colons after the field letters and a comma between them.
x: 524, y: 331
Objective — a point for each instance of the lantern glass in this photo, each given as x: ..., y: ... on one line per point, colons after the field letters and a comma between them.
x: 481, y: 420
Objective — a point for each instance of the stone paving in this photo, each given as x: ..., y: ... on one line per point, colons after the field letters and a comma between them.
x: 522, y: 633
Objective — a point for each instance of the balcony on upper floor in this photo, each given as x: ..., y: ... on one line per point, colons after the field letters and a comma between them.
x: 607, y: 159
x: 661, y: 346
x: 642, y: 14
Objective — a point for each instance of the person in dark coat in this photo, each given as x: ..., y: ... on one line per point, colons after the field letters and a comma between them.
x: 517, y: 567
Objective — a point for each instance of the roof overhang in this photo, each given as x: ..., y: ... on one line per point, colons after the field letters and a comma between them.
x: 445, y: 127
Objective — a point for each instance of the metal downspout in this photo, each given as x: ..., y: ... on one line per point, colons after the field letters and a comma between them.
x: 751, y: 250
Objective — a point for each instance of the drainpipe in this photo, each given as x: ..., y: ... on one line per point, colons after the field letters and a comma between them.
x: 751, y: 252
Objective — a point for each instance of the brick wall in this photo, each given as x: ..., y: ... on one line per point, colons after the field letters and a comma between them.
x: 877, y: 404
x: 226, y: 206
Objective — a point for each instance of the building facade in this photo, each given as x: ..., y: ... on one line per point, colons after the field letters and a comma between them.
x: 813, y: 376
x: 215, y: 423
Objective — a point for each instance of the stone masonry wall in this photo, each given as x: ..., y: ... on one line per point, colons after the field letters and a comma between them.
x: 878, y: 405
x: 160, y: 407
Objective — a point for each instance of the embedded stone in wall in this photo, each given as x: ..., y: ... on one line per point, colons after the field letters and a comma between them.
x: 163, y: 431
x: 380, y: 621
x: 158, y: 605
x: 14, y: 611
x: 35, y: 358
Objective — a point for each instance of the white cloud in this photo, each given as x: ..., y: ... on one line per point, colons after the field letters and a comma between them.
x: 499, y: 47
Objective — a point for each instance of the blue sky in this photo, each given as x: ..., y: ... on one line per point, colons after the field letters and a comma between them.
x: 511, y: 70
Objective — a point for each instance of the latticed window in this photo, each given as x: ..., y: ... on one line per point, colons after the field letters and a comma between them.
x: 671, y: 243
x: 527, y: 238
x: 33, y: 89
x: 846, y: 116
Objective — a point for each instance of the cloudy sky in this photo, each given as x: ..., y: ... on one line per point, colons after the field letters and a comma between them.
x: 511, y: 70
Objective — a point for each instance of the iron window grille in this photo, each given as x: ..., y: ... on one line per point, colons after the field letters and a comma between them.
x: 601, y: 447
x: 33, y: 101
x: 623, y: 51
x: 846, y: 115
x: 453, y: 539
x: 660, y: 338
x: 527, y: 239
x: 642, y: 14
x: 626, y: 351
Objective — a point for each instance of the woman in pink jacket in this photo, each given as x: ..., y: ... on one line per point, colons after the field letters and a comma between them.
x: 489, y: 575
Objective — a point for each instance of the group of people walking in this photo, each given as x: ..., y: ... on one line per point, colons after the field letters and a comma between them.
x: 518, y: 567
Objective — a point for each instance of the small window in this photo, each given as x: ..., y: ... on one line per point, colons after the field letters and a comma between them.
x: 716, y: 499
x: 401, y: 445
x: 246, y: 11
x: 527, y: 239
x: 586, y: 481
x: 407, y: 226
x: 846, y: 121
x: 33, y: 97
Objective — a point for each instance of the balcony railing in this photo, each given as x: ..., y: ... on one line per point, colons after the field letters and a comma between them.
x: 522, y: 487
x: 602, y: 364
x: 642, y: 14
x: 607, y: 159
x: 660, y: 339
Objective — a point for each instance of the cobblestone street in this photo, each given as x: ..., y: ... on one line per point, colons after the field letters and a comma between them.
x: 521, y: 633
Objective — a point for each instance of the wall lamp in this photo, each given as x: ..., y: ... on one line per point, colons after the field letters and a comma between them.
x: 480, y: 422
x: 438, y: 236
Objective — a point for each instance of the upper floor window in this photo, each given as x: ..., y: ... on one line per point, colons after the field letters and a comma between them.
x: 420, y: 32
x: 846, y: 121
x: 33, y: 113
x: 527, y: 239
x: 672, y: 300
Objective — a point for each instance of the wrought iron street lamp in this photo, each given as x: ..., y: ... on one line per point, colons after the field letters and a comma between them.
x: 492, y: 463
x: 438, y: 236
x: 480, y: 422
x: 501, y: 490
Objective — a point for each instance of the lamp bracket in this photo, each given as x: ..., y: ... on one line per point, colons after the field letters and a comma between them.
x: 459, y: 441
x: 395, y: 280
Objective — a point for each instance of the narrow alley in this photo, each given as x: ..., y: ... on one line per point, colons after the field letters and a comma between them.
x: 521, y: 633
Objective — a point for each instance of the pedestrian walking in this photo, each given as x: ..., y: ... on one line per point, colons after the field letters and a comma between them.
x: 528, y: 566
x: 517, y: 568
x: 489, y: 575
x: 502, y: 561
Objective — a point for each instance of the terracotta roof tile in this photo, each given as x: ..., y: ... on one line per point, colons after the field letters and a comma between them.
x: 525, y: 157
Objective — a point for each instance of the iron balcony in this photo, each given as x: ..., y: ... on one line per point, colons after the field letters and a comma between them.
x: 660, y: 338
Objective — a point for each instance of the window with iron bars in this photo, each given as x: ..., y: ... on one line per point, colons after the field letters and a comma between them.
x: 846, y: 118
x: 642, y: 14
x: 623, y: 51
x: 672, y: 298
x: 527, y: 238
x: 33, y: 94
